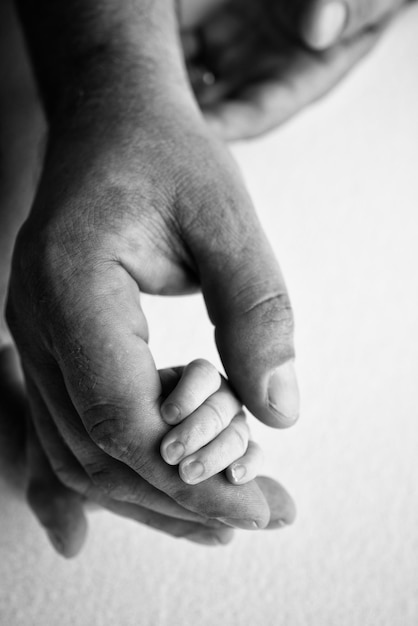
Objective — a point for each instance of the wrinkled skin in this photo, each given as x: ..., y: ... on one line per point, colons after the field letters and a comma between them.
x: 107, y: 224
x: 61, y: 510
x: 49, y: 302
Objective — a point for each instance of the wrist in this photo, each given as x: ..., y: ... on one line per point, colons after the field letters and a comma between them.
x: 94, y: 58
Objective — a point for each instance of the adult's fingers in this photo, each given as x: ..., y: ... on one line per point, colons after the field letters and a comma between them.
x: 59, y: 506
x: 319, y: 23
x: 181, y: 529
x: 59, y: 509
x: 282, y: 507
x: 84, y: 467
x: 113, y: 384
x: 322, y: 23
x: 265, y: 104
x: 334, y: 20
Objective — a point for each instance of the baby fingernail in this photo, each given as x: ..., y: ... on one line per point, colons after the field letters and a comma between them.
x: 283, y: 394
x: 174, y: 452
x: 170, y: 413
x: 326, y: 25
x: 238, y: 472
x: 192, y: 471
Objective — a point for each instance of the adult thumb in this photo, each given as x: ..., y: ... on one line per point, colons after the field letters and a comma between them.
x: 247, y: 301
x: 323, y: 23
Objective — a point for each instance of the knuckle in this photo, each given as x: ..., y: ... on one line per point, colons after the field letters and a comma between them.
x: 218, y: 416
x: 109, y: 480
x: 114, y: 436
x: 207, y: 370
x: 276, y: 302
x: 273, y: 309
x: 197, y: 436
x: 241, y: 431
x: 106, y: 429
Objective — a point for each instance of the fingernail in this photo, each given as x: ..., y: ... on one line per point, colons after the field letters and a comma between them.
x: 170, y: 413
x: 283, y: 394
x: 174, y: 452
x: 239, y: 523
x: 238, y: 472
x: 56, y: 541
x: 192, y: 471
x: 324, y: 27
x: 205, y: 539
x: 280, y: 523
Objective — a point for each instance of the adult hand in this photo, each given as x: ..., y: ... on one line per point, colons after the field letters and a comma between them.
x: 129, y: 180
x: 253, y: 64
x: 157, y: 208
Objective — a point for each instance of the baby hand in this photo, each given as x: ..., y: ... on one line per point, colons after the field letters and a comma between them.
x: 210, y: 432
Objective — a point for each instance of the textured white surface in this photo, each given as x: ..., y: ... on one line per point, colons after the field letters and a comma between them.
x: 337, y: 190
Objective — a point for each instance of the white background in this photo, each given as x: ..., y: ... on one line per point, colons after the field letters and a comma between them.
x: 337, y: 191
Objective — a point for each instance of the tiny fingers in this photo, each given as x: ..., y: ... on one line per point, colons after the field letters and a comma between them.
x: 230, y: 445
x: 246, y: 468
x: 200, y: 379
x: 202, y: 426
x: 210, y: 432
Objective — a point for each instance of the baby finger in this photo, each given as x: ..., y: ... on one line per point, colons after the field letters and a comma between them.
x: 230, y: 445
x: 246, y: 468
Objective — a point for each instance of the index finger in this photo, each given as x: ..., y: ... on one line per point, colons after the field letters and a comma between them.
x: 114, y: 385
